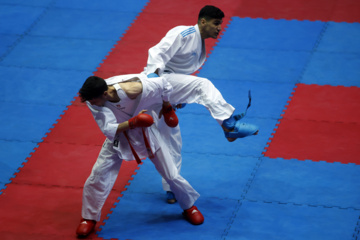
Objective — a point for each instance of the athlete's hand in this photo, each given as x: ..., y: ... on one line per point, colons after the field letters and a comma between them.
x: 141, y: 120
x: 169, y: 115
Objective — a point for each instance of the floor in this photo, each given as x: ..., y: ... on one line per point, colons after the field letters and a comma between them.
x: 298, y: 179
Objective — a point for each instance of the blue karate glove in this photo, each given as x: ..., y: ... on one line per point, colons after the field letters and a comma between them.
x: 152, y: 75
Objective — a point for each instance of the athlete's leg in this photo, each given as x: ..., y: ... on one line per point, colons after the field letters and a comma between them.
x: 100, y: 182
x: 193, y: 89
x: 184, y: 192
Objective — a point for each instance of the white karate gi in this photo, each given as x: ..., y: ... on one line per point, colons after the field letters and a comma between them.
x: 180, y: 53
x: 104, y: 173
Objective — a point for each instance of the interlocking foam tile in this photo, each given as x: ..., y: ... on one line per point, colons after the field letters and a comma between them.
x: 347, y: 43
x: 346, y: 11
x: 147, y: 216
x: 324, y: 103
x: 190, y: 7
x: 55, y: 211
x: 331, y: 135
x: 236, y: 169
x: 84, y: 24
x: 122, y: 59
x: 49, y: 162
x: 6, y: 42
x: 58, y: 53
x: 30, y: 206
x: 272, y: 34
x: 36, y: 3
x: 206, y: 136
x: 74, y: 128
x: 267, y: 99
x: 256, y: 64
x: 13, y: 154
x: 45, y: 86
x: 306, y: 182
x: 336, y: 59
x: 256, y: 220
x: 18, y: 19
x: 333, y: 68
x: 324, y: 10
x: 23, y: 123
x: 103, y: 5
x: 327, y: 141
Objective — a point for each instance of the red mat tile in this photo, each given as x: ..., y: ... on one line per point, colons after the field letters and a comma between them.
x: 317, y: 141
x: 40, y: 212
x: 325, y: 103
x: 323, y: 10
x: 320, y: 123
x: 77, y: 126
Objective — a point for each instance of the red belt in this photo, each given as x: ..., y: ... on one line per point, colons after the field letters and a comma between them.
x: 147, y: 145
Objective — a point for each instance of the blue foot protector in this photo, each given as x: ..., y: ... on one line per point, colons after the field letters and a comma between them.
x: 231, y: 122
x: 242, y: 130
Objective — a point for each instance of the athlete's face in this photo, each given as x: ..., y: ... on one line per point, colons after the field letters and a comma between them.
x: 211, y: 28
x: 99, y: 101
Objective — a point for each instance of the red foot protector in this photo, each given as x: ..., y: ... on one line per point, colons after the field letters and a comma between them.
x: 321, y: 123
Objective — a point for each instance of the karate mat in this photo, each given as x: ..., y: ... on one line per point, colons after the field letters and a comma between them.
x: 255, y: 188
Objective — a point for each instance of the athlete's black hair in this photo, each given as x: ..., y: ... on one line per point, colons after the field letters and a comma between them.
x: 210, y: 12
x: 92, y: 88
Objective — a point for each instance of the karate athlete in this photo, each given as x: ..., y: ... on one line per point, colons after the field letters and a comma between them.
x: 126, y: 108
x: 182, y: 52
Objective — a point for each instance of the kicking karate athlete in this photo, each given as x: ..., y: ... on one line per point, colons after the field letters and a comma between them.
x: 182, y: 52
x: 118, y: 105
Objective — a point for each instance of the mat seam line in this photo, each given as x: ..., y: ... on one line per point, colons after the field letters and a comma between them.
x: 27, y: 31
x: 242, y: 198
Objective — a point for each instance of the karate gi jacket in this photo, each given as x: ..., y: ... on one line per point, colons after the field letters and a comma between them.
x: 181, y: 51
x: 110, y: 115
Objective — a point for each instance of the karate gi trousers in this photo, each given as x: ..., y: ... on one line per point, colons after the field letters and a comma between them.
x: 105, y: 171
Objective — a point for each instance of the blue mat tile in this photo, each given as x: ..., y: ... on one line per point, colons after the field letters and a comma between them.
x: 248, y: 33
x: 41, y: 86
x: 146, y: 216
x: 41, y: 3
x: 101, y: 5
x: 27, y: 122
x: 196, y: 168
x: 256, y: 220
x: 218, y: 176
x: 341, y: 37
x: 333, y: 69
x: 18, y: 19
x: 59, y: 53
x: 255, y: 65
x: 205, y: 136
x: 268, y: 99
x: 6, y: 42
x: 90, y: 24
x: 13, y: 154
x: 307, y: 182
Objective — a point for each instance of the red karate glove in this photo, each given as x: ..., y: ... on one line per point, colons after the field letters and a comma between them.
x: 141, y: 120
x: 169, y: 116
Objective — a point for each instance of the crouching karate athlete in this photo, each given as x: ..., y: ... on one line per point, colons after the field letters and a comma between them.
x: 181, y: 53
x: 126, y: 108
